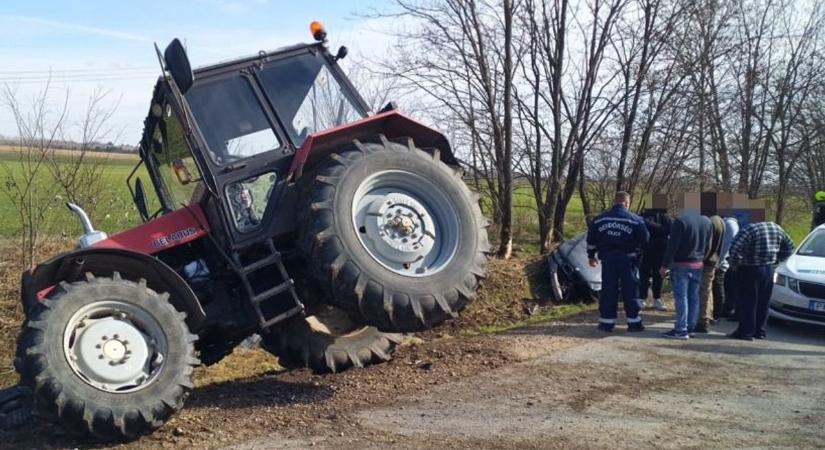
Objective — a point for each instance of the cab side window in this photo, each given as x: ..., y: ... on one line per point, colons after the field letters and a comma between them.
x: 179, y: 174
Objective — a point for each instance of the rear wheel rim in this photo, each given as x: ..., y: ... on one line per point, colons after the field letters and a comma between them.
x: 406, y: 222
x: 115, y: 346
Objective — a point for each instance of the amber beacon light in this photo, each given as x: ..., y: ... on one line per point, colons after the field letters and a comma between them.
x: 318, y: 31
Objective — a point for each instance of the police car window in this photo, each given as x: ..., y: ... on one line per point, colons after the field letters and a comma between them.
x: 814, y: 245
x: 231, y: 119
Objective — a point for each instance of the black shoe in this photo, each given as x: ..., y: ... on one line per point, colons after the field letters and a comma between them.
x: 737, y: 335
x: 606, y: 327
x: 760, y: 335
x: 635, y: 327
x: 700, y: 328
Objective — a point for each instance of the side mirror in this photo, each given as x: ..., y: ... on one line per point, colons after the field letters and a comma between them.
x: 181, y: 171
x: 140, y: 200
x: 177, y: 63
x: 342, y: 53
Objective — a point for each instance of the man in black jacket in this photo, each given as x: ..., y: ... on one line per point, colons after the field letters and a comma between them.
x: 658, y: 225
x: 684, y: 257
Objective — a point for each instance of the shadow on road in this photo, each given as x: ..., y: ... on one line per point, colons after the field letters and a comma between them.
x: 246, y: 393
x: 251, y: 392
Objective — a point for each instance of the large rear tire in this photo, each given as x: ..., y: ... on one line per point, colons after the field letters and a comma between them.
x: 328, y: 342
x: 107, y: 357
x: 393, y: 235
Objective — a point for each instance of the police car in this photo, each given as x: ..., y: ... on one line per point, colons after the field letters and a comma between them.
x: 799, y: 283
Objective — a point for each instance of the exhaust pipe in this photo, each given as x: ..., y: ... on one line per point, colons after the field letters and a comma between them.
x: 90, y: 235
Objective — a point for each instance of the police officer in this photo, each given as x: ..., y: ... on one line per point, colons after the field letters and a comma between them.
x: 617, y: 236
x: 819, y: 209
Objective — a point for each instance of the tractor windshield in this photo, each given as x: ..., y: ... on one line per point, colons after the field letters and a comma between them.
x: 307, y: 95
x: 231, y: 119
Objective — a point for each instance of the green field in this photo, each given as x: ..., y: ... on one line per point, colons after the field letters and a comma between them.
x: 115, y: 210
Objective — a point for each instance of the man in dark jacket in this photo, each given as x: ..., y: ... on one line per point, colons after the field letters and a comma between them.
x: 753, y: 253
x: 658, y: 225
x: 617, y: 236
x: 717, y: 235
x: 684, y: 257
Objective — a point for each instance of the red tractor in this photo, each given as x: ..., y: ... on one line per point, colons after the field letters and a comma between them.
x: 280, y: 206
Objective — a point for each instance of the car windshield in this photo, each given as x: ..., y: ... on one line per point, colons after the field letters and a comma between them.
x: 307, y: 95
x: 814, y: 245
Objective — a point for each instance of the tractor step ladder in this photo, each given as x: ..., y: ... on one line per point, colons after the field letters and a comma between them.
x: 257, y: 298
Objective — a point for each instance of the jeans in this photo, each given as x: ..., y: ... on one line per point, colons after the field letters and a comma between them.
x: 754, y: 294
x: 618, y: 273
x: 685, y: 282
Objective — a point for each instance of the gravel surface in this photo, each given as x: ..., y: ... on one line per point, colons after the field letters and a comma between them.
x: 558, y: 385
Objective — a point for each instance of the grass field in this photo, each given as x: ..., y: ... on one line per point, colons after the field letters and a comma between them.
x: 114, y: 211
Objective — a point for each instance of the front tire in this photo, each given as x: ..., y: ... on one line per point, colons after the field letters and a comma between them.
x: 394, y: 235
x: 107, y: 357
x: 328, y: 342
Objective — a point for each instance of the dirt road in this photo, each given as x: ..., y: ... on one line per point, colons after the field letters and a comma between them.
x: 621, y: 391
x: 560, y: 385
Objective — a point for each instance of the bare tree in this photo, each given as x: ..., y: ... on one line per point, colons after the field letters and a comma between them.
x: 41, y: 174
x: 31, y: 196
x: 460, y: 52
x: 79, y: 173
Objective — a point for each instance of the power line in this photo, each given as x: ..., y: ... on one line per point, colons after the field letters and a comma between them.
x: 77, y: 70
x: 77, y: 76
x: 77, y: 80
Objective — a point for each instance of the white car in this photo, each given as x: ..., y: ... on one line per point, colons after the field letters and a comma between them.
x: 799, y: 283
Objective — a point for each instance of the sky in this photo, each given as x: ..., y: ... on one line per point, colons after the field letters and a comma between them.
x: 89, y: 45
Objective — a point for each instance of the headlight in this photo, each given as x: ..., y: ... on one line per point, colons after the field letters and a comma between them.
x: 793, y: 284
x: 779, y: 279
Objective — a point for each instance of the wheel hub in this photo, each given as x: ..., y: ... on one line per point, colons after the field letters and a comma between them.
x: 400, y: 228
x: 108, y: 346
x: 406, y: 223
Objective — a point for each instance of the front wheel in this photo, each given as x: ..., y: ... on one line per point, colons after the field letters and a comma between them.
x: 394, y: 235
x: 329, y: 341
x: 107, y: 357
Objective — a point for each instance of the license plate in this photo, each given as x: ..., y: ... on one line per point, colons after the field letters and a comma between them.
x: 816, y: 306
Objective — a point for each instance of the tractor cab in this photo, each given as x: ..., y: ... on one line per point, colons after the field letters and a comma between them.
x: 232, y: 129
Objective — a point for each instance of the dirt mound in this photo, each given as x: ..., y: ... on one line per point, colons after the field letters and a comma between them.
x: 511, y: 292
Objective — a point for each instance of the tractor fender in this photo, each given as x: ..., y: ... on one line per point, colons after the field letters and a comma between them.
x: 391, y: 124
x: 73, y: 266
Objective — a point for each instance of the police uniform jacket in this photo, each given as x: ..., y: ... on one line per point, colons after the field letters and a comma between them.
x: 616, y: 230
